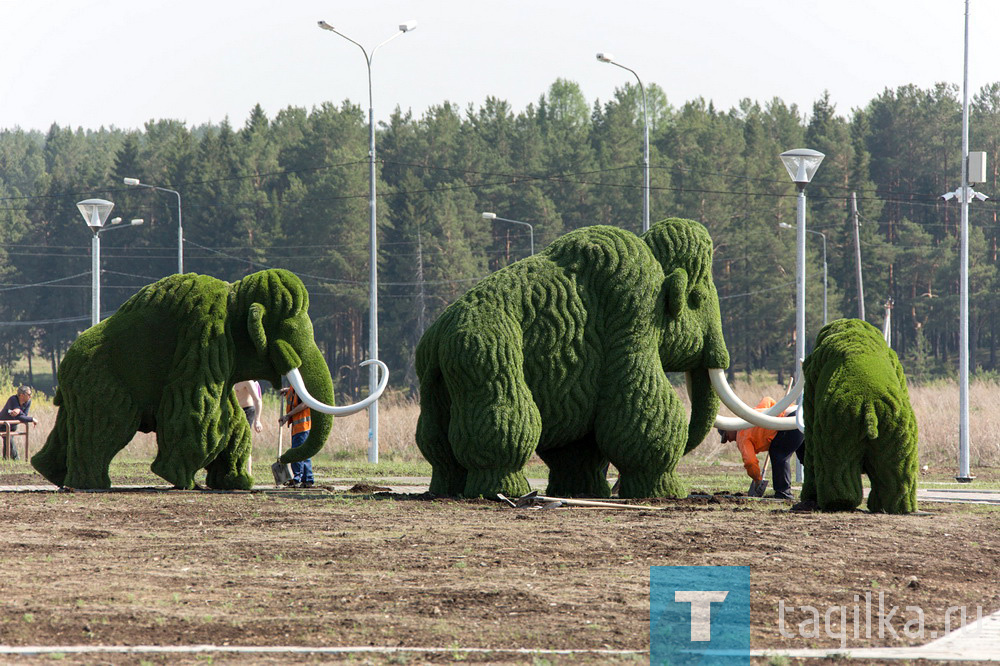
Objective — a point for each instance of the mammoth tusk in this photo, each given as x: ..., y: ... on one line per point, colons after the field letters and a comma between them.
x: 295, y: 379
x: 746, y: 413
x: 736, y: 423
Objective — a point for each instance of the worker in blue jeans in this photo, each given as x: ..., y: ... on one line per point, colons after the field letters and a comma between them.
x: 299, y: 416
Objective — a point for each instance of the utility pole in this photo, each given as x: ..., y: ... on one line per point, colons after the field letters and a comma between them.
x: 422, y: 309
x: 857, y: 256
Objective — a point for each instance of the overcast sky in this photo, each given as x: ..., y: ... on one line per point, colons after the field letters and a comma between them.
x: 122, y: 62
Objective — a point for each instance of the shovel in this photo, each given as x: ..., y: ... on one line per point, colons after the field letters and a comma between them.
x: 757, y: 488
x: 282, y: 472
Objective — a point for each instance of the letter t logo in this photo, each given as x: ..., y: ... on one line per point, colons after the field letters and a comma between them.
x: 701, y: 610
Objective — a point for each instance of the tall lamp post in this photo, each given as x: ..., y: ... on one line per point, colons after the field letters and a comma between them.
x: 95, y: 213
x: 610, y: 59
x: 801, y: 165
x: 372, y: 247
x: 531, y: 229
x: 134, y: 182
x: 973, y: 171
x: 785, y: 225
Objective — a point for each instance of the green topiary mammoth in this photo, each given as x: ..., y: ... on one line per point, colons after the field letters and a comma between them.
x: 565, y: 354
x: 167, y: 360
x: 858, y: 420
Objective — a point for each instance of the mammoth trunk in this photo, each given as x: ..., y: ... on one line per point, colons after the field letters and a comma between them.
x: 316, y: 375
x: 704, y: 407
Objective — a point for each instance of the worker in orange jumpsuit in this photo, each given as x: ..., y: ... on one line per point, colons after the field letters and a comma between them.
x: 755, y: 440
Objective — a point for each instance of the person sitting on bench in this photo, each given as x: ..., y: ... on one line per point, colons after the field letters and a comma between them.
x: 16, y: 410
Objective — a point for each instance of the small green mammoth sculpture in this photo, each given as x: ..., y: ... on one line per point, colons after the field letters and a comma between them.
x: 858, y: 419
x: 167, y: 361
x: 565, y: 354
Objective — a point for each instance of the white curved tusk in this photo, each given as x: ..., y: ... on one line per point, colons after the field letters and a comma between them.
x: 730, y: 423
x: 792, y: 396
x: 725, y: 422
x: 295, y: 379
x: 742, y: 410
x: 800, y: 419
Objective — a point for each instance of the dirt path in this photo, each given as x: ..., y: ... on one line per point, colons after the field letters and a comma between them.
x: 324, y: 569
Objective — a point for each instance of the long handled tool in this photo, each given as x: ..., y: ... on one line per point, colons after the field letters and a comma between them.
x: 757, y: 488
x: 282, y: 472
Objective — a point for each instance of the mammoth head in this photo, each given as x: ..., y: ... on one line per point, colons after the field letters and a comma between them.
x: 275, y: 304
x: 693, y: 325
x: 692, y: 339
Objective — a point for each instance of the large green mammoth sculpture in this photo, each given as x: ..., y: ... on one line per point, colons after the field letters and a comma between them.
x: 565, y: 354
x: 858, y: 420
x: 167, y: 361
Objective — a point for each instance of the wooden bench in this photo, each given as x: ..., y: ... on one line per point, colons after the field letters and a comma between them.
x: 8, y: 435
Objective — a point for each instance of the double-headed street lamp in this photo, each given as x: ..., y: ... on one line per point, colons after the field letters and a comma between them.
x: 95, y: 213
x: 610, y: 59
x: 801, y: 165
x: 531, y: 229
x: 785, y: 225
x: 372, y: 246
x: 134, y: 182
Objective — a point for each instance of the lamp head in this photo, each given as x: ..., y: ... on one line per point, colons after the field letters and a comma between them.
x: 408, y: 26
x: 605, y: 57
x: 325, y: 26
x: 130, y: 181
x: 95, y: 212
x: 137, y: 221
x: 489, y: 216
x: 801, y: 164
x: 785, y: 225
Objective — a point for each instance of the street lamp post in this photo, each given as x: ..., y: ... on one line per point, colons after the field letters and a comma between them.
x: 610, y: 59
x: 965, y: 193
x: 785, y: 225
x: 372, y: 247
x: 95, y: 213
x: 801, y: 165
x: 531, y: 229
x: 134, y: 182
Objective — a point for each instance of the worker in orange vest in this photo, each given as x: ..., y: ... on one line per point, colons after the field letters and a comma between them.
x: 299, y: 416
x: 755, y: 440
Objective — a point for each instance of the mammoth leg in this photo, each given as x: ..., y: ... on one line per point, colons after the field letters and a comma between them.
x: 642, y: 429
x: 229, y: 469
x: 892, y: 470
x: 95, y: 435
x: 188, y: 432
x: 447, y: 475
x: 577, y: 469
x: 494, y: 424
x: 837, y: 476
x: 50, y: 461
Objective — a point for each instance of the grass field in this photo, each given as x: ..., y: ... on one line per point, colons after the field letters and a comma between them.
x: 936, y: 407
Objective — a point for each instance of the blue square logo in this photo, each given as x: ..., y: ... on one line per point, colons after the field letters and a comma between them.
x: 698, y: 616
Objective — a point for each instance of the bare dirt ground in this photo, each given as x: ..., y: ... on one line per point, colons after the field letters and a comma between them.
x: 321, y: 568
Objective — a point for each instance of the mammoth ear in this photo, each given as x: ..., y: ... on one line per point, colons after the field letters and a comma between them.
x: 676, y: 287
x: 255, y: 326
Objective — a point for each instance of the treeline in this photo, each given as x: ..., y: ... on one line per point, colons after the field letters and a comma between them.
x: 292, y: 192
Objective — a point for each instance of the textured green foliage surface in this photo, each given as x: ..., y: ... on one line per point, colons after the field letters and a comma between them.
x: 167, y: 361
x: 858, y: 420
x: 565, y: 353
